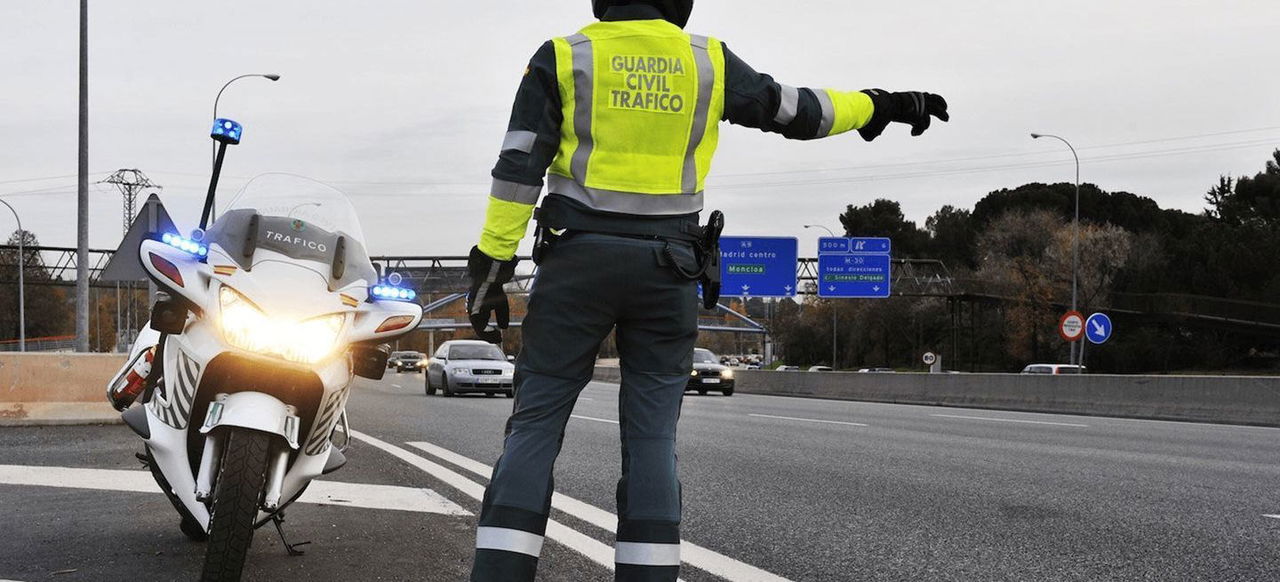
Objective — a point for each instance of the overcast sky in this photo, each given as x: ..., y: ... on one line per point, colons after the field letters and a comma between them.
x: 403, y: 104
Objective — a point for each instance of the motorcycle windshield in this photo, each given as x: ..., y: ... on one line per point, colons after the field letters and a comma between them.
x: 308, y: 221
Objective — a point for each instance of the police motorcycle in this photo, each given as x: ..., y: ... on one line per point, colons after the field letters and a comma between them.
x: 264, y: 321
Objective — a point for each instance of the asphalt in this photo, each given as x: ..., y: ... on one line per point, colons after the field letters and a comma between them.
x: 804, y: 489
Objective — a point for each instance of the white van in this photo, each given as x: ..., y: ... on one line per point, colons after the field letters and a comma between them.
x: 1054, y: 369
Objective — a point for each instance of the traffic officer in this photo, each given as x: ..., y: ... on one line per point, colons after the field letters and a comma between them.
x: 622, y: 119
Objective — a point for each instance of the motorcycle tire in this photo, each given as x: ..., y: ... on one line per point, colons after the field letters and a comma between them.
x: 431, y: 390
x: 444, y: 388
x: 234, y: 507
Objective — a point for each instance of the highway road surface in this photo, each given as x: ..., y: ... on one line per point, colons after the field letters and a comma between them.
x: 774, y: 489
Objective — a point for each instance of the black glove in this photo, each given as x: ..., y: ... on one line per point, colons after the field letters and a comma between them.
x: 486, y: 296
x: 912, y: 107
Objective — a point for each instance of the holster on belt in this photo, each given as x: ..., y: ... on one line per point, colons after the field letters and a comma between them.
x: 710, y: 250
x: 559, y: 217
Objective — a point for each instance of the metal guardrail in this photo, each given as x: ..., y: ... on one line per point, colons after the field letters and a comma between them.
x: 60, y: 343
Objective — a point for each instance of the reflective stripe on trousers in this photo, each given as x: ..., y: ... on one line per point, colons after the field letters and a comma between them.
x: 586, y: 287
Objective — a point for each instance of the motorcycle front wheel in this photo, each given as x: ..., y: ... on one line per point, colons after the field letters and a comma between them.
x: 241, y: 479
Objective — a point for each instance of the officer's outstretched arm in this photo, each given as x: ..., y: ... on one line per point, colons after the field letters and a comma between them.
x: 533, y: 136
x: 754, y: 99
x: 531, y: 142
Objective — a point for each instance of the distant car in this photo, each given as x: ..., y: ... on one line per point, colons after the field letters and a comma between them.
x: 876, y: 371
x: 406, y: 361
x: 787, y: 369
x: 708, y: 374
x: 751, y: 367
x: 1054, y: 369
x: 820, y: 369
x: 470, y: 366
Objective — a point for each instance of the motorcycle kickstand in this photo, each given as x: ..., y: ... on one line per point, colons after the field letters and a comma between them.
x: 293, y: 550
x: 142, y: 458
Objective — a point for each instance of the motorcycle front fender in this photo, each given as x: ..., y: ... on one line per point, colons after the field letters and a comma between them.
x: 253, y: 411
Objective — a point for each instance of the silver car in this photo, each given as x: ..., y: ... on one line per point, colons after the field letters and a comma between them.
x: 470, y: 366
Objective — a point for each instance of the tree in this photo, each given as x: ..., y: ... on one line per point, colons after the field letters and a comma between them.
x: 48, y: 311
x: 1248, y: 201
x: 952, y: 236
x: 884, y: 218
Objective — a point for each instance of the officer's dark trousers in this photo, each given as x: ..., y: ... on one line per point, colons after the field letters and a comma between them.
x: 589, y: 285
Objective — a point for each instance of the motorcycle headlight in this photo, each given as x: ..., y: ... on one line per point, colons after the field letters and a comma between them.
x: 248, y: 328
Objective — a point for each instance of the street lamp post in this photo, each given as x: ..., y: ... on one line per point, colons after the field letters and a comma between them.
x: 1075, y: 241
x: 833, y: 305
x: 22, y: 308
x: 269, y: 76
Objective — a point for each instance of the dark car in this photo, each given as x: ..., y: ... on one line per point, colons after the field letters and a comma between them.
x: 406, y: 361
x: 708, y: 374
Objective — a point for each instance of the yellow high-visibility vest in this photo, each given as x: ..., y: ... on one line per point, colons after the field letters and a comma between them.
x: 642, y: 104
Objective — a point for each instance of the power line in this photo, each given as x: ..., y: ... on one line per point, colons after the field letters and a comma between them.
x: 995, y: 156
x: 130, y: 182
x: 1028, y: 165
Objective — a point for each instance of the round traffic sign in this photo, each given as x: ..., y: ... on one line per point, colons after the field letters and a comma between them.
x: 930, y: 358
x: 1098, y: 328
x: 1071, y: 326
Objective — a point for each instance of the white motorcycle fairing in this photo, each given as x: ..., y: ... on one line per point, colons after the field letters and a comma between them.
x: 208, y: 386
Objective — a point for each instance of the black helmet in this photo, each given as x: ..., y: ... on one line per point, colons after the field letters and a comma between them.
x: 674, y: 11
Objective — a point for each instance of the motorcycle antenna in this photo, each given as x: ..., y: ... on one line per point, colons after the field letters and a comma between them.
x: 226, y: 132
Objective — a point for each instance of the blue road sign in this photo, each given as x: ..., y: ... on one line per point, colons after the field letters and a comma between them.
x: 857, y: 268
x: 758, y: 266
x: 1098, y: 328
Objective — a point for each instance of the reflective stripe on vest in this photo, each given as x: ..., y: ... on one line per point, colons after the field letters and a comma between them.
x: 642, y: 103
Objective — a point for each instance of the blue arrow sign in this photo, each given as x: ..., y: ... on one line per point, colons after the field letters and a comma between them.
x: 758, y: 266
x: 854, y: 268
x: 1098, y: 328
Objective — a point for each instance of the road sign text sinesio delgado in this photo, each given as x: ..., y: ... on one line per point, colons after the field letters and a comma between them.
x: 854, y: 267
x: 758, y: 266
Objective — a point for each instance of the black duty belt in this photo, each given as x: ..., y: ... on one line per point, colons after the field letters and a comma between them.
x: 676, y: 228
x: 558, y: 216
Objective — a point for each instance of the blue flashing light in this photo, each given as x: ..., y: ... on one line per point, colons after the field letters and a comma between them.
x: 185, y: 244
x: 226, y: 131
x: 393, y: 293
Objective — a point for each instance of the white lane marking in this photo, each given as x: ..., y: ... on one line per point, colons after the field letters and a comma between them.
x: 595, y: 551
x: 585, y: 398
x: 1009, y: 420
x: 1271, y: 516
x: 807, y: 419
x: 395, y: 385
x: 1190, y: 423
x: 319, y: 492
x: 380, y: 497
x: 690, y: 553
x: 579, y: 416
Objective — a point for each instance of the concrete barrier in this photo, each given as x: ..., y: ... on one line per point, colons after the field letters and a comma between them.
x: 1252, y: 400
x: 59, y: 388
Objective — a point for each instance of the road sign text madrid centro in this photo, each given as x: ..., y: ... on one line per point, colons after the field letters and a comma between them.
x: 1098, y: 328
x: 856, y: 268
x: 758, y: 266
